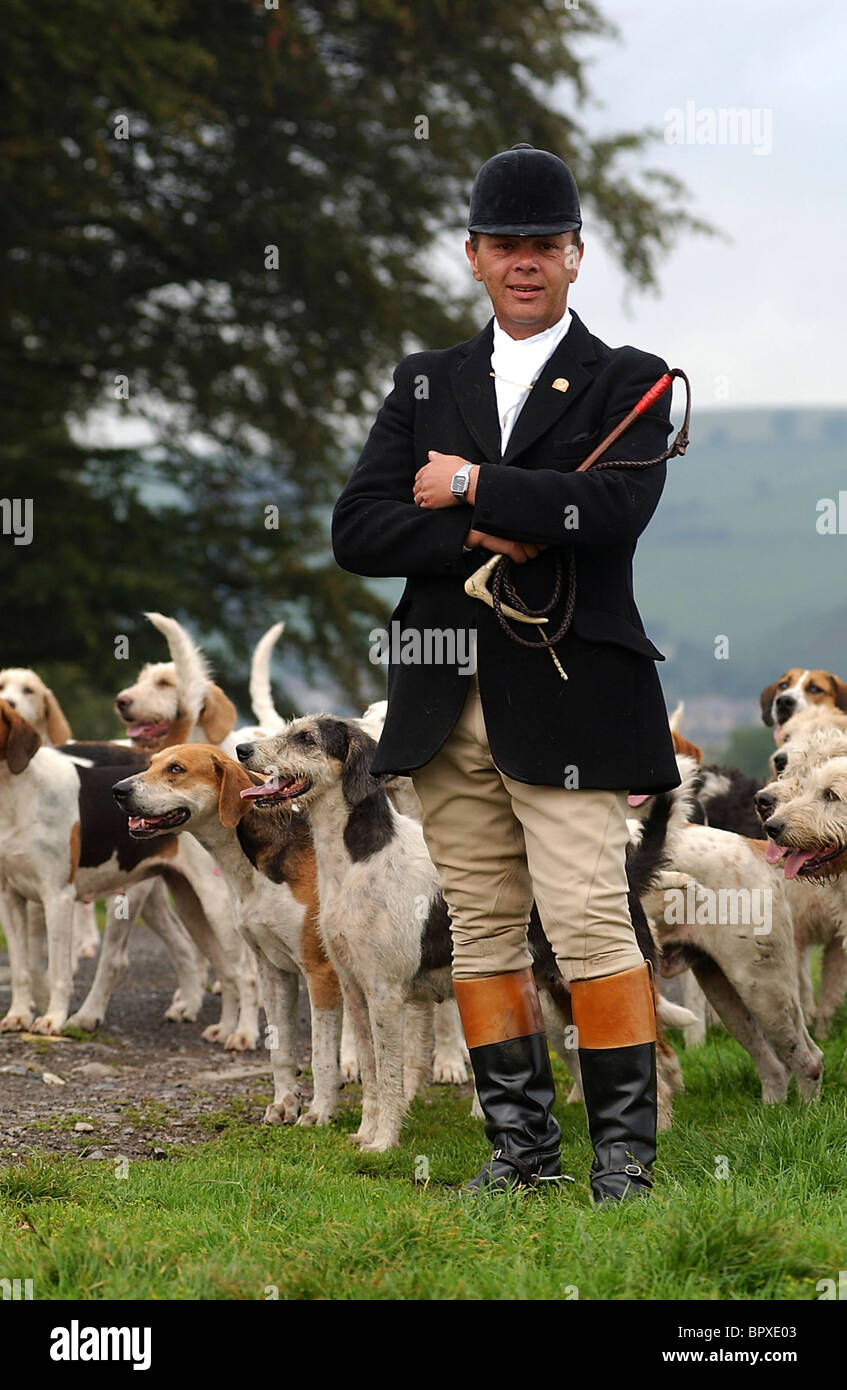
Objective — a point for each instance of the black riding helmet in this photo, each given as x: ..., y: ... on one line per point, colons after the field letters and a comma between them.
x: 524, y: 192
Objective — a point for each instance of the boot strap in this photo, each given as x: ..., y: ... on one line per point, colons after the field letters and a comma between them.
x: 531, y: 1176
x: 630, y: 1170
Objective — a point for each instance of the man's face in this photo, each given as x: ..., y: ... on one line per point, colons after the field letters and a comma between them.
x: 527, y: 278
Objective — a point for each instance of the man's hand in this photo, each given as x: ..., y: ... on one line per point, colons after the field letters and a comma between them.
x: 432, y: 482
x: 519, y: 551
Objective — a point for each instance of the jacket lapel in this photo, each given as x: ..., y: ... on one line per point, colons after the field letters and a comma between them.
x: 473, y: 386
x: 545, y: 403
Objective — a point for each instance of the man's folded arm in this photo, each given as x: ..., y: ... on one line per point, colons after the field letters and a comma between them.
x: 592, y: 508
x: 377, y: 529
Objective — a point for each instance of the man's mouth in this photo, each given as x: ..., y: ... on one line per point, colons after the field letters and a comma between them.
x: 146, y: 733
x: 800, y: 862
x: 276, y: 790
x: 140, y: 827
x: 524, y: 291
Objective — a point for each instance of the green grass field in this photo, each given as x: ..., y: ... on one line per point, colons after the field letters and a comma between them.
x: 261, y: 1212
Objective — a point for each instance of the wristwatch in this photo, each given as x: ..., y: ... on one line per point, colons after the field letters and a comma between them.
x: 461, y: 480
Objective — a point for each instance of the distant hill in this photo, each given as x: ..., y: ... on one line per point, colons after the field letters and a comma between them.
x: 733, y: 550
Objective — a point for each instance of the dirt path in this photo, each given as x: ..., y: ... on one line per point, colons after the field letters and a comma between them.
x: 142, y: 1082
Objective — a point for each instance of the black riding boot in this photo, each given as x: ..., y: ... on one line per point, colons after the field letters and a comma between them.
x: 616, y: 1029
x: 504, y: 1030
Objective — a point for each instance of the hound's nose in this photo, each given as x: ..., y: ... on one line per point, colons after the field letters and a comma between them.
x: 780, y: 761
x: 121, y: 790
x: 243, y: 751
x: 764, y: 802
x: 122, y: 703
x: 785, y: 706
x: 774, y: 828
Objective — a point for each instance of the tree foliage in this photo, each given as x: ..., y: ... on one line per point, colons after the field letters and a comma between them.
x: 250, y: 262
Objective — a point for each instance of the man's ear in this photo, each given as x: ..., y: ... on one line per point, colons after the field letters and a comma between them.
x: 766, y: 699
x: 217, y: 717
x: 357, y: 780
x: 58, y: 728
x: 232, y: 779
x: 22, y: 741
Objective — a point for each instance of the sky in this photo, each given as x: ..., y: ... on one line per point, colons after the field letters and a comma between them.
x: 758, y: 320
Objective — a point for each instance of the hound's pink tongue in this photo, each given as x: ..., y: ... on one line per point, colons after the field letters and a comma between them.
x: 274, y: 785
x: 794, y: 859
x: 633, y: 800
x: 147, y: 730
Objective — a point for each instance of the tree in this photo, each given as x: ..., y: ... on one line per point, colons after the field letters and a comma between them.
x: 220, y: 228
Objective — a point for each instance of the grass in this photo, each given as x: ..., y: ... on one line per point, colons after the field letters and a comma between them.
x: 259, y: 1212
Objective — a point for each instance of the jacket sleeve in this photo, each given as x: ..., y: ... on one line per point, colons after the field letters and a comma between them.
x: 377, y: 528
x: 614, y: 505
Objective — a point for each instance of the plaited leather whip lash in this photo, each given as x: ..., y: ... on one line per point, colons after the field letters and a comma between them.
x: 498, y: 573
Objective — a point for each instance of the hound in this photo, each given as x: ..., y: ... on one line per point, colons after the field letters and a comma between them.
x: 169, y: 703
x: 61, y: 838
x: 269, y: 863
x: 795, y: 690
x: 383, y: 920
x: 720, y: 911
x: 26, y: 692
x: 169, y: 699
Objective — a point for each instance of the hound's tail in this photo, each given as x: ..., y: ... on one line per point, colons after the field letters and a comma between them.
x: 261, y: 695
x: 190, y: 665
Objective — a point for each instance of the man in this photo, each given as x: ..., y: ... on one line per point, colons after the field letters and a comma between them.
x: 523, y: 775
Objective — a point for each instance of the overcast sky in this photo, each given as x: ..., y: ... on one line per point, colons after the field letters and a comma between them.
x: 760, y: 320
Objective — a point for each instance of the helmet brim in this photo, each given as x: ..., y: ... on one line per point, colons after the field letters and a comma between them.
x: 550, y: 229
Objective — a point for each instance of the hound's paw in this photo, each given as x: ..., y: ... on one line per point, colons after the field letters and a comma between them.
x: 574, y: 1095
x: 89, y: 1023
x: 774, y: 1092
x: 212, y: 1034
x: 315, y: 1118
x: 88, y: 951
x: 19, y: 1022
x: 180, y: 1012
x: 282, y: 1112
x: 379, y: 1145
x: 449, y: 1071
x: 360, y: 1139
x: 349, y: 1069
x: 216, y: 987
x: 49, y: 1023
x: 240, y: 1041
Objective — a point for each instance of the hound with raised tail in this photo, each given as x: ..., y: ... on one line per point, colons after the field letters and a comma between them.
x: 383, y: 920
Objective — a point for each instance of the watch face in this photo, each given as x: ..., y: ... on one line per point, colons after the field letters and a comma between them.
x: 459, y: 485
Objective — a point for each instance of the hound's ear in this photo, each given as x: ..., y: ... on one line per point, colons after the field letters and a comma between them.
x: 232, y: 777
x: 357, y: 780
x: 766, y: 699
x: 22, y: 743
x: 58, y: 728
x: 840, y: 694
x: 684, y: 745
x: 217, y: 717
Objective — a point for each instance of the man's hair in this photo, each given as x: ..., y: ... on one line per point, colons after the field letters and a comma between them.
x: 473, y: 237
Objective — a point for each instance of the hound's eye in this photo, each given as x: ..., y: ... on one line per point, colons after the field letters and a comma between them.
x: 165, y: 685
x: 813, y: 689
x: 175, y: 767
x: 28, y: 690
x: 829, y: 795
x: 305, y: 737
x: 783, y: 685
